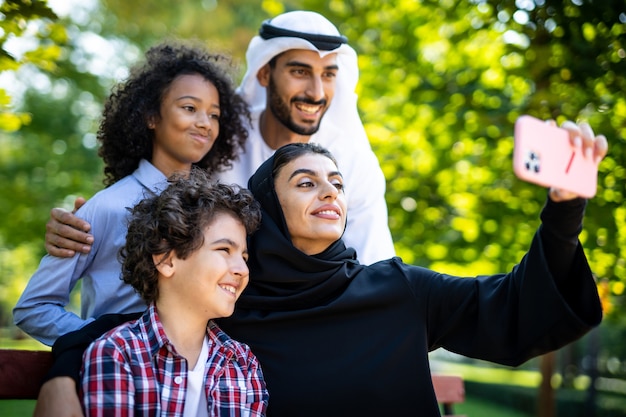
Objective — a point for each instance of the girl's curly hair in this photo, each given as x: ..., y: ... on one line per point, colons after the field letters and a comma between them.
x: 175, y: 221
x: 123, y: 133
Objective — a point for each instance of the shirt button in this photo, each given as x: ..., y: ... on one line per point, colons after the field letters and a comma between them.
x: 178, y: 380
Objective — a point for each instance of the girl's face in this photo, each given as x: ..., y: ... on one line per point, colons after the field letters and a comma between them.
x: 310, y: 192
x: 188, y: 124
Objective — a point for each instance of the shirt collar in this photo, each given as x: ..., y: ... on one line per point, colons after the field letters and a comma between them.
x: 150, y: 177
x: 157, y: 338
x: 154, y: 330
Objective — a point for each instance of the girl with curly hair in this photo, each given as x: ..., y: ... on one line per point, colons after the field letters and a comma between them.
x: 129, y: 131
x: 176, y: 110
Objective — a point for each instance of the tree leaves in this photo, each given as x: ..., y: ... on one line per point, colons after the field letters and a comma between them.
x: 441, y: 85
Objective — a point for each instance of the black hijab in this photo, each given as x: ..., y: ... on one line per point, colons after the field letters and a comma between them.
x: 281, y: 276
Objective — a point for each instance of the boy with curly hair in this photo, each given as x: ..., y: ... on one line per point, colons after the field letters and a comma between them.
x: 186, y: 255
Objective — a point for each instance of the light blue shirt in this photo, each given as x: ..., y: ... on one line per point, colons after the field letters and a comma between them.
x: 41, y: 310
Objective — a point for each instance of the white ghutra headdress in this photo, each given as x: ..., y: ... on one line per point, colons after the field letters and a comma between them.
x: 311, y: 31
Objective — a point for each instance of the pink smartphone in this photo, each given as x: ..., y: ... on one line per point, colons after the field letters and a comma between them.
x: 544, y: 155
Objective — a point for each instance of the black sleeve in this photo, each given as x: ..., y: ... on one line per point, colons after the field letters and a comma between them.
x: 68, y: 349
x: 561, y: 223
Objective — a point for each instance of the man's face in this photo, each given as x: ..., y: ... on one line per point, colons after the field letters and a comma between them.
x: 300, y: 88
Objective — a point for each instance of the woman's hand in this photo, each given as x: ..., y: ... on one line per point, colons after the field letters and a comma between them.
x: 593, y: 147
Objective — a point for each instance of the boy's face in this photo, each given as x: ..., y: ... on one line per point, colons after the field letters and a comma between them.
x: 211, y: 279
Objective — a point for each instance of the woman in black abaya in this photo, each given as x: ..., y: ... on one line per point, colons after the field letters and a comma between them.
x: 336, y: 338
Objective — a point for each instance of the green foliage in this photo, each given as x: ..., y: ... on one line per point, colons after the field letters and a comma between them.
x: 442, y: 83
x: 577, y: 61
x: 45, y: 162
x: 23, y: 19
x: 19, y: 261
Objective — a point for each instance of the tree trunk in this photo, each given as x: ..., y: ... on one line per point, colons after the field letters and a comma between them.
x: 546, y: 405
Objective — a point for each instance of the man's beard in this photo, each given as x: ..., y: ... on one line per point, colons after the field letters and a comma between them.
x: 281, y: 111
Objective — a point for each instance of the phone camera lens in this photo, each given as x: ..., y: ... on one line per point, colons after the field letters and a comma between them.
x: 532, y: 162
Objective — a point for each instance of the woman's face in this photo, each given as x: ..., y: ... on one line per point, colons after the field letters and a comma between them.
x: 310, y: 192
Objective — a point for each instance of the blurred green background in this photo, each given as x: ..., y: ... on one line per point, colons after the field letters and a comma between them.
x: 441, y: 85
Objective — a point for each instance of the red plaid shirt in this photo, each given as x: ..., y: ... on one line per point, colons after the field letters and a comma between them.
x: 134, y: 370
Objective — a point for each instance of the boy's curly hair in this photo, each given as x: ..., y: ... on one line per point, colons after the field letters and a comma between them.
x: 175, y: 221
x: 123, y: 133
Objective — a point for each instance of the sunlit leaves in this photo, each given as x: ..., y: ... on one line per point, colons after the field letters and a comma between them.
x: 15, y: 262
x: 442, y: 84
x: 34, y: 24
